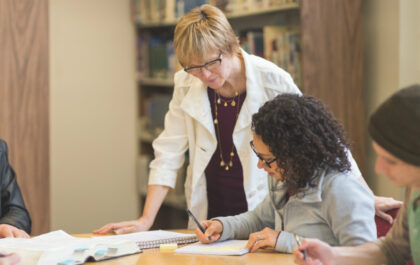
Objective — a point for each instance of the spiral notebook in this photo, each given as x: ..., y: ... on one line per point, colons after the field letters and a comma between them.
x: 153, y: 239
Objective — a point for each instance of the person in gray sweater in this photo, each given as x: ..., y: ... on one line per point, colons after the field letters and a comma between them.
x: 312, y: 192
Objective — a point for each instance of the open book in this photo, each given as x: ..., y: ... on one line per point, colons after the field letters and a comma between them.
x: 59, y: 248
x: 152, y: 239
x: 228, y: 247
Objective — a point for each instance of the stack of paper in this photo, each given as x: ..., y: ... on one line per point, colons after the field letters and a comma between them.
x: 229, y: 247
x: 58, y: 247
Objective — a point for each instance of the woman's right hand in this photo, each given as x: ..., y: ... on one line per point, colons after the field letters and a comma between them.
x: 213, y: 231
x: 11, y: 259
x: 142, y: 224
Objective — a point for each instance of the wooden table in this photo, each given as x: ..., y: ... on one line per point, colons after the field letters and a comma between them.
x: 155, y: 257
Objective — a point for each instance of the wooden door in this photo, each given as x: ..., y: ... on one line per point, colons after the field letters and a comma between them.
x: 332, y: 63
x: 24, y: 101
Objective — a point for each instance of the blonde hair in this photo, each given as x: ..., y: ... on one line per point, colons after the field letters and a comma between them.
x: 203, y: 30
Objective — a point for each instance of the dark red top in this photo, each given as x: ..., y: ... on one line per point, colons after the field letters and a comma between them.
x: 225, y: 188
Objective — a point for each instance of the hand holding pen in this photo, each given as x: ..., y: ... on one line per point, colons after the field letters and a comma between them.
x: 299, y: 245
x: 313, y: 251
x: 207, y: 231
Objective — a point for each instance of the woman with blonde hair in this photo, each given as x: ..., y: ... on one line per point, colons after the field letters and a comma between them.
x: 215, y: 96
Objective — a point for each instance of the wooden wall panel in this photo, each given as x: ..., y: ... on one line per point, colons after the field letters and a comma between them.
x: 24, y: 101
x: 332, y: 63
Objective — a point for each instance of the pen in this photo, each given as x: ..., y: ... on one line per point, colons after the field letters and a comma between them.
x: 300, y: 244
x: 198, y: 223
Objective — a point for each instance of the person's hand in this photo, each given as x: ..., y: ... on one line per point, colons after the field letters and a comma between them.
x: 317, y: 253
x: 384, y: 204
x: 142, y: 224
x: 262, y: 239
x: 213, y: 230
x: 11, y: 259
x: 11, y: 231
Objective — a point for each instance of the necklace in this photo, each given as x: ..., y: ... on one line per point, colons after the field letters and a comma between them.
x: 233, y: 103
x: 225, y: 102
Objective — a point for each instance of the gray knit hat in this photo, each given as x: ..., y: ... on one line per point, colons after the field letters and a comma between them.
x: 395, y: 125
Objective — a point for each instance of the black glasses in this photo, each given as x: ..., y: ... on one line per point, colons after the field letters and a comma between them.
x: 268, y: 163
x: 210, y: 66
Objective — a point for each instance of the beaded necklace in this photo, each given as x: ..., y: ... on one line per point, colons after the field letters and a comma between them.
x: 234, y: 102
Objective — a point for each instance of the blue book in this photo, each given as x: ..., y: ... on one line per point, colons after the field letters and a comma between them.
x: 190, y: 4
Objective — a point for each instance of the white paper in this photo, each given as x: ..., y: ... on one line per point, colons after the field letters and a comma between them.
x: 52, y: 247
x: 228, y: 247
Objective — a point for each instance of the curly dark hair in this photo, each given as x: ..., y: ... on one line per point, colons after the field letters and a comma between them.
x: 304, y: 137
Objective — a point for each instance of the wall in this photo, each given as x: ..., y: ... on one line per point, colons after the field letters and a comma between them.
x: 391, y: 61
x: 409, y: 42
x: 92, y: 116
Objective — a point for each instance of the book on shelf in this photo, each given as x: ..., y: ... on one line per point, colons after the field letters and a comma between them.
x: 190, y: 4
x: 143, y: 55
x: 153, y: 239
x: 141, y: 8
x: 239, y: 6
x: 156, y: 108
x: 171, y: 58
x: 60, y: 248
x: 158, y: 63
x: 232, y: 7
x: 252, y: 41
x: 221, y: 4
x: 282, y: 47
x: 160, y: 57
x: 164, y: 10
x: 170, y: 10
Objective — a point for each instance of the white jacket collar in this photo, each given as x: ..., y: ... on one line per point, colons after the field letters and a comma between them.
x: 196, y: 101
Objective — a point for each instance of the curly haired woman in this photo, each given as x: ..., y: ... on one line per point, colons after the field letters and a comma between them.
x: 312, y: 192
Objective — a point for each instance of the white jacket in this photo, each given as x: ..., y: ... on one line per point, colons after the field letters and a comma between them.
x: 189, y: 126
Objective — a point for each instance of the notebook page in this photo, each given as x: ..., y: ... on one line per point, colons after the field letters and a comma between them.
x: 152, y: 239
x: 150, y: 235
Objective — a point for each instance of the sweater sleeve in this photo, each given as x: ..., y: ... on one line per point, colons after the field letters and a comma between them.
x: 286, y: 242
x: 241, y: 225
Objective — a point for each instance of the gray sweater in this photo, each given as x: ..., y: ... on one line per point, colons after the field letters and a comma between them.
x: 338, y: 210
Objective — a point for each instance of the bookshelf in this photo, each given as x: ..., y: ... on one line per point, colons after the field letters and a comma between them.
x: 162, y: 82
x: 329, y: 52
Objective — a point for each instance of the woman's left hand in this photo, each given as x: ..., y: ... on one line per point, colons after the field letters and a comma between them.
x: 262, y: 239
x: 384, y: 204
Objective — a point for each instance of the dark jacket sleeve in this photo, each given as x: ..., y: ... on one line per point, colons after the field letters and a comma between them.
x: 13, y: 210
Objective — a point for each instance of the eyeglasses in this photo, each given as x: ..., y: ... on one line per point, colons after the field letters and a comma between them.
x: 210, y: 66
x: 268, y: 163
